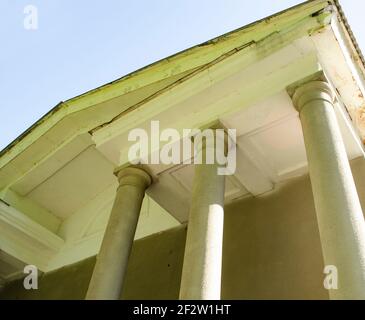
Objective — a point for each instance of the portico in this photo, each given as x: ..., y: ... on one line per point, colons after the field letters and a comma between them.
x: 291, y: 87
x: 339, y: 213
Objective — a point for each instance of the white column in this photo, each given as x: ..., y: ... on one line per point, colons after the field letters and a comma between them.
x: 201, y: 274
x: 111, y: 264
x: 340, y: 218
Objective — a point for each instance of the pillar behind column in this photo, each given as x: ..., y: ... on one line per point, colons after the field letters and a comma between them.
x: 112, y: 261
x: 340, y: 218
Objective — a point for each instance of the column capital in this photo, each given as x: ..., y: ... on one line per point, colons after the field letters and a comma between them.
x: 133, y: 175
x: 313, y: 90
x: 218, y: 139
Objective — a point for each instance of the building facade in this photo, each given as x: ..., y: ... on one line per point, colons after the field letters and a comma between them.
x: 283, y: 96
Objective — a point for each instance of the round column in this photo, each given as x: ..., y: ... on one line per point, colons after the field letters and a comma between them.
x: 340, y: 218
x: 111, y: 264
x: 201, y: 274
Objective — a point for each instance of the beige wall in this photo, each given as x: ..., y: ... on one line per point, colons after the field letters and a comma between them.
x: 272, y: 247
x: 271, y: 251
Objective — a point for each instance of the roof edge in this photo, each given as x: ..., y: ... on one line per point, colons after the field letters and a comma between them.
x: 62, y: 105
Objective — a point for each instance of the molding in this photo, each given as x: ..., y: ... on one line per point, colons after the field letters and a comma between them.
x: 164, y: 69
x: 70, y: 149
x: 25, y: 239
x: 268, y: 83
x: 241, y: 57
x: 31, y: 209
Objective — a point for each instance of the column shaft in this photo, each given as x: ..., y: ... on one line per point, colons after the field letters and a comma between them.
x: 201, y: 275
x: 112, y: 261
x: 340, y: 218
